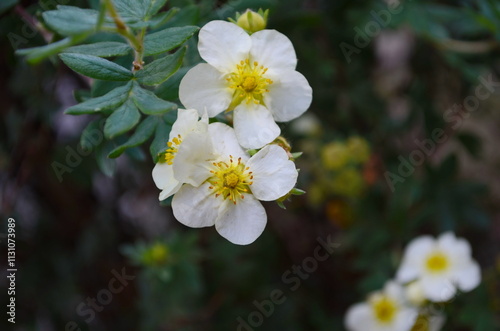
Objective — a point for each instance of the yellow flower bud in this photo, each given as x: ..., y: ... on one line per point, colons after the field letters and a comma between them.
x: 335, y: 155
x: 251, y: 21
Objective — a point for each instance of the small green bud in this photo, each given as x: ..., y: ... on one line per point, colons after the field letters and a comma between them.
x: 251, y: 21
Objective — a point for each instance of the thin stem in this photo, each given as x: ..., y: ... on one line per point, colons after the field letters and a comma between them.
x: 124, y: 30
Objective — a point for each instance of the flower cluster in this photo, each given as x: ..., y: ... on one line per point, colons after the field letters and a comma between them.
x: 218, y: 173
x: 431, y: 271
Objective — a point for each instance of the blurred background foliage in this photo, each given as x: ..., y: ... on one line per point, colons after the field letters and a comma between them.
x: 370, y: 111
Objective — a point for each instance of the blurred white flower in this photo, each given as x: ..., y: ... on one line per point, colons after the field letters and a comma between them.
x: 188, y: 128
x: 253, y: 75
x: 386, y: 310
x: 232, y: 186
x: 440, y: 265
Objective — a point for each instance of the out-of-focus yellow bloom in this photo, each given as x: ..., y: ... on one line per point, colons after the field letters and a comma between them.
x: 348, y: 182
x: 335, y: 155
x: 359, y: 150
x: 157, y: 254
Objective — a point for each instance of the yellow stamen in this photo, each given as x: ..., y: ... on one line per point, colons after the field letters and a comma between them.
x: 249, y: 83
x: 230, y: 180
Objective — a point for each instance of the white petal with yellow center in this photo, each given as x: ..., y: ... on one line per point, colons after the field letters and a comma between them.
x: 440, y: 266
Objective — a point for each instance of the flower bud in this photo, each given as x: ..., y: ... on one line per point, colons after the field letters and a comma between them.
x: 251, y: 21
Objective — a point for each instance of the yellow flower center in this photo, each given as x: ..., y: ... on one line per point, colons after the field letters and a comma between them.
x: 249, y: 83
x: 173, y: 146
x: 230, y: 179
x: 385, y: 309
x: 437, y: 262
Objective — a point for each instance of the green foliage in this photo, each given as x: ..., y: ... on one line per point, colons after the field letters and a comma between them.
x: 160, y: 70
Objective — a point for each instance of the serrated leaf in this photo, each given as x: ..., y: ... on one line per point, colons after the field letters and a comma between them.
x: 101, y: 49
x: 168, y: 39
x: 70, y: 21
x: 160, y: 140
x: 110, y: 100
x: 107, y: 165
x: 92, y: 135
x: 122, y: 120
x: 141, y: 134
x: 158, y: 71
x: 96, y: 67
x: 149, y: 103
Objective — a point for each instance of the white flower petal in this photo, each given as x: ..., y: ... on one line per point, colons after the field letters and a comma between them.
x: 195, y: 207
x: 273, y: 50
x: 163, y: 176
x: 192, y: 160
x: 468, y: 277
x: 224, y: 141
x: 457, y: 248
x: 241, y: 223
x: 254, y: 126
x: 187, y: 120
x: 437, y: 289
x: 274, y: 174
x: 289, y: 96
x: 205, y: 89
x: 407, y: 272
x: 223, y: 45
x: 405, y: 319
x: 359, y: 317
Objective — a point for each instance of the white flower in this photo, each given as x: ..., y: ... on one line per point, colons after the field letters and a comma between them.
x: 233, y: 185
x: 253, y: 75
x: 186, y: 128
x: 385, y: 310
x: 440, y: 266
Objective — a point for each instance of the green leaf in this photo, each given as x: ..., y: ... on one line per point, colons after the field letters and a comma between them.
x: 36, y: 54
x: 141, y: 134
x: 158, y: 71
x: 107, y: 165
x: 160, y: 140
x: 168, y: 39
x: 163, y: 18
x: 101, y: 49
x: 110, y: 100
x: 149, y: 103
x: 153, y: 7
x: 96, y: 67
x: 70, y: 21
x: 169, y: 90
x: 6, y: 4
x: 122, y: 120
x: 92, y: 135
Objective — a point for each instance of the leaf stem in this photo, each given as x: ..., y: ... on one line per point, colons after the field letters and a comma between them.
x: 137, y: 42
